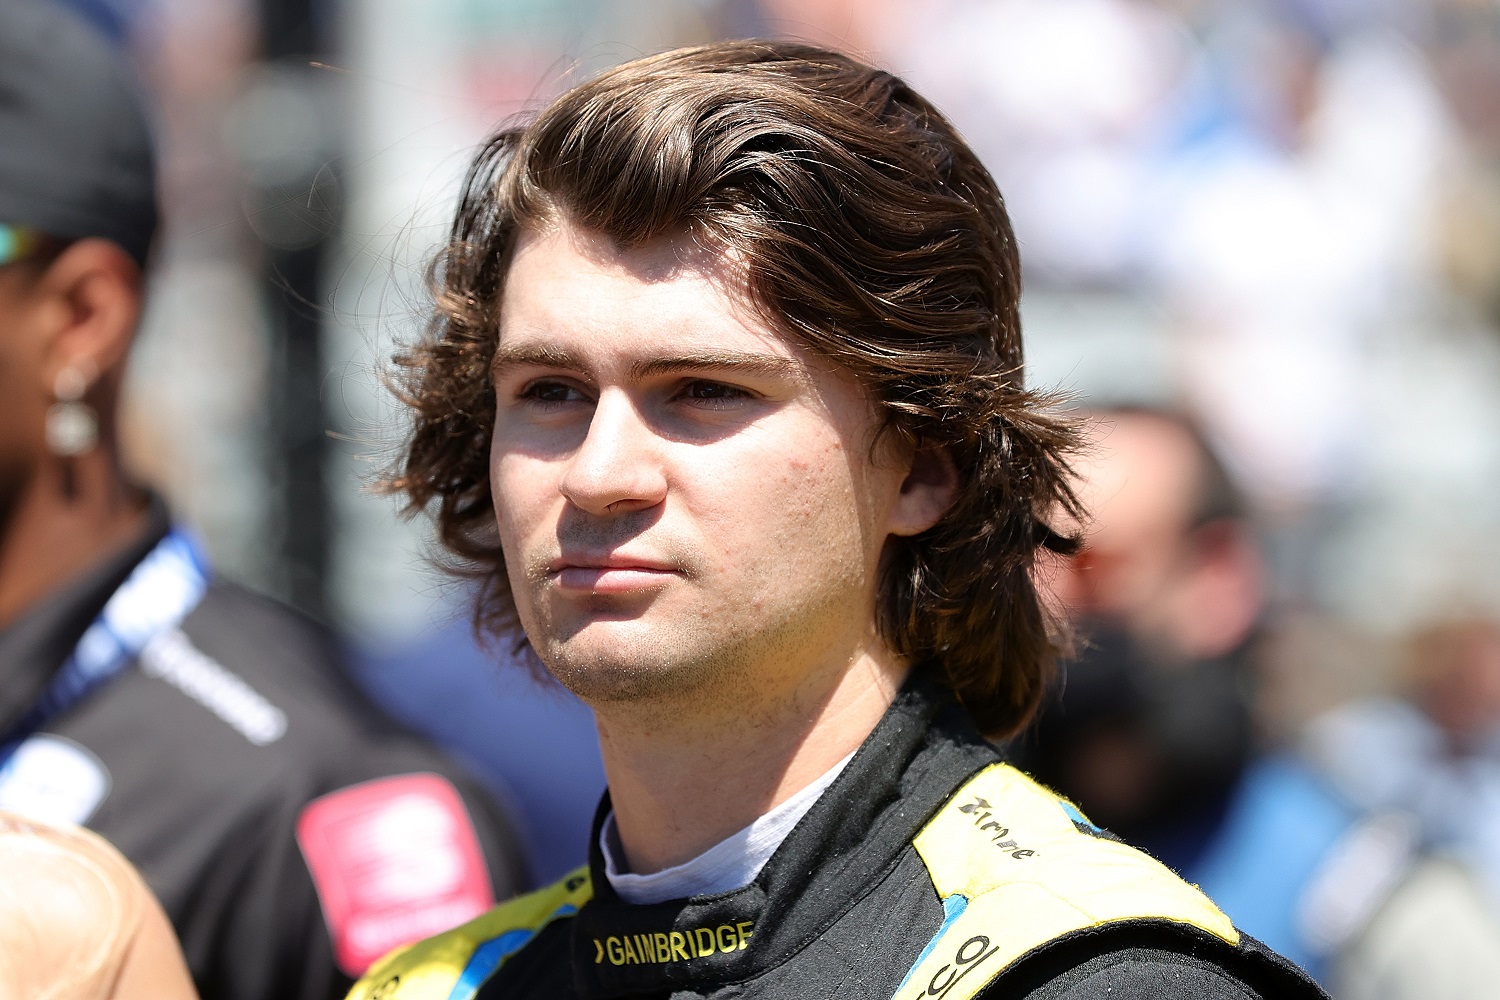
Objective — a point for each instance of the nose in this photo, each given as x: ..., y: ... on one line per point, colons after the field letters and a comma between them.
x: 617, y: 468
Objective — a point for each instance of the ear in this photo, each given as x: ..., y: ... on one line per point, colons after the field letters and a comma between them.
x: 90, y: 299
x: 929, y: 489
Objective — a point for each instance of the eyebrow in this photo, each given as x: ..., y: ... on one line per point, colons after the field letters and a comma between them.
x: 763, y: 365
x: 534, y: 356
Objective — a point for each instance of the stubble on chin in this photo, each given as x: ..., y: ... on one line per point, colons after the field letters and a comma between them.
x: 665, y: 669
x: 693, y: 649
x: 610, y: 657
x: 676, y: 671
x: 572, y: 637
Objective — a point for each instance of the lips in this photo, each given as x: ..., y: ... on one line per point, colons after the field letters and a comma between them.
x: 614, y: 573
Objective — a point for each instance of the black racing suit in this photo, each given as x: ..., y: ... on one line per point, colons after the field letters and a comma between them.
x: 927, y: 869
x: 225, y: 764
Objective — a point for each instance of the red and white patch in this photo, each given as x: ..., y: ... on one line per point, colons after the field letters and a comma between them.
x: 393, y: 860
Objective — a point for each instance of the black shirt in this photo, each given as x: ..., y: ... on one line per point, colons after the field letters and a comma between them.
x: 287, y: 827
x: 927, y: 868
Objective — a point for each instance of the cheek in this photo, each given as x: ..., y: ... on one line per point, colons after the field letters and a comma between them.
x: 785, y: 514
x: 820, y: 497
x: 520, y: 487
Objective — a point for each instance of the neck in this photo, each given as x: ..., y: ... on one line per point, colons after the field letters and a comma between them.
x: 54, y: 533
x: 681, y: 781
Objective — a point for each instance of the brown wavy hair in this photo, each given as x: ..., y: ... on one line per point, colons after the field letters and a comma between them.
x: 868, y: 231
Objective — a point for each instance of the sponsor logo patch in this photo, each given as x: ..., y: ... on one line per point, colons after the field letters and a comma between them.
x: 394, y: 860
x: 965, y: 960
x: 983, y: 815
x: 673, y: 946
x: 53, y: 780
x: 172, y: 657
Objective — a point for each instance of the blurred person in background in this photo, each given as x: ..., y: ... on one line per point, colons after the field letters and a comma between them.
x: 1153, y: 729
x: 1412, y: 899
x: 291, y: 832
x: 1152, y: 734
x: 77, y: 922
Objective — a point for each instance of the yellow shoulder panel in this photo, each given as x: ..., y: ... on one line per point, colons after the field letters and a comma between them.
x: 1016, y: 867
x: 452, y: 966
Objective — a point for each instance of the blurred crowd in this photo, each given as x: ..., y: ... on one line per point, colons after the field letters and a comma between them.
x: 1262, y: 252
x: 1361, y: 844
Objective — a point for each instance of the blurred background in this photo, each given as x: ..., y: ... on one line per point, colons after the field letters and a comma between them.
x: 1281, y: 217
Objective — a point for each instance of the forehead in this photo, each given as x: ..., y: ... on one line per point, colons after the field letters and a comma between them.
x: 1139, y: 476
x: 570, y: 287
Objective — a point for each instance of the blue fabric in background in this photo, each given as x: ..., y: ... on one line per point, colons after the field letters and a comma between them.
x: 534, y: 745
x: 113, y: 18
x: 1279, y: 829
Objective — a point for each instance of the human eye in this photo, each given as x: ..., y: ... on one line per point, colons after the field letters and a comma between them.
x: 550, y: 393
x: 710, y: 394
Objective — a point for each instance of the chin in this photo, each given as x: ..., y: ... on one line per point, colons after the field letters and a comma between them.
x: 601, y: 663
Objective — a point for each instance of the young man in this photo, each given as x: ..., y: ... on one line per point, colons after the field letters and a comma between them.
x: 723, y: 406
x: 206, y: 732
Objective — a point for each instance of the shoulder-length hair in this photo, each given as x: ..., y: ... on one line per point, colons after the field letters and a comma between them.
x: 868, y: 231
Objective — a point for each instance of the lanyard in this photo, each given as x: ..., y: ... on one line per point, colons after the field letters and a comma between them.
x: 159, y: 593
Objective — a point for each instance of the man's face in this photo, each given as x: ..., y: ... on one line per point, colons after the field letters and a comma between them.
x: 687, y: 502
x: 1137, y: 482
x: 1192, y: 591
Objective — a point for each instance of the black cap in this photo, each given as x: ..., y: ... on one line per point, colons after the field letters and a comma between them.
x: 75, y: 149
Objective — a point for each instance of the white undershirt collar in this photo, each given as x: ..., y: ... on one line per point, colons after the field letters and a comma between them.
x: 730, y: 864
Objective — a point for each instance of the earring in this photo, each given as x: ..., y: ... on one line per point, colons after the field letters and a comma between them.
x: 72, y: 424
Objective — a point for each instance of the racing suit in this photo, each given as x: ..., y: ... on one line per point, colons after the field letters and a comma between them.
x: 927, y: 869
x: 291, y: 832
